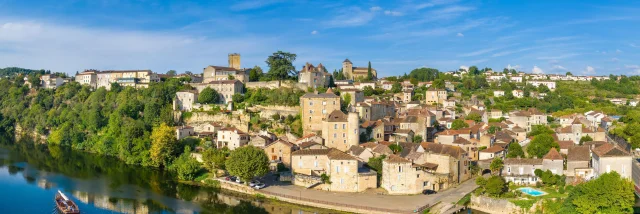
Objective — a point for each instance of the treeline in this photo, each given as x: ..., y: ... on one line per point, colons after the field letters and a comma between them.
x: 625, y: 85
x: 117, y: 122
x: 10, y: 71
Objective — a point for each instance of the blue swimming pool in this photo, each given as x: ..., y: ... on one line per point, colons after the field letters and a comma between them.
x: 531, y: 191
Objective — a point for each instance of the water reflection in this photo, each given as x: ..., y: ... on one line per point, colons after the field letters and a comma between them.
x: 105, y: 185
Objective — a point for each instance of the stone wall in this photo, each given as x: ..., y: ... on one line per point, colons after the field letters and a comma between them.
x: 268, y: 111
x: 19, y: 133
x: 495, y: 205
x: 238, y: 120
x: 269, y: 84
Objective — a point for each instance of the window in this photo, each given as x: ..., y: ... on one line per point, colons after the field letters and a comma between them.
x: 344, y: 126
x: 324, y: 103
x: 341, y: 180
x: 346, y: 169
x: 315, y: 163
x: 335, y: 135
x: 399, y: 168
x: 335, y: 126
x: 608, y: 168
x: 310, y: 103
x: 337, y: 169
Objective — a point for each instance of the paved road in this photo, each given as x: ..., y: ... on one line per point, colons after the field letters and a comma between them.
x: 372, y: 199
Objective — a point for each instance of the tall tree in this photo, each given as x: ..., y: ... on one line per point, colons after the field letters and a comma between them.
x: 255, y: 73
x: 281, y: 65
x: 609, y: 193
x: 458, y: 124
x: 496, y: 165
x: 515, y: 150
x: 208, y: 96
x: 369, y: 73
x: 213, y: 159
x: 439, y: 84
x: 163, y: 144
x: 247, y: 163
x: 541, y: 144
x: 171, y: 72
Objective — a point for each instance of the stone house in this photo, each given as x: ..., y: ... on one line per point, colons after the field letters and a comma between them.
x: 378, y: 149
x: 220, y: 73
x: 225, y: 88
x: 498, y: 93
x: 355, y: 94
x: 313, y: 137
x: 553, y: 162
x: 184, y: 131
x: 609, y: 157
x: 88, y: 77
x: 50, y: 81
x: 185, y: 100
x: 402, y: 176
x: 521, y: 170
x: 527, y: 118
x: 345, y: 172
x: 314, y: 77
x: 453, y: 162
x: 355, y: 73
x: 315, y: 108
x: 279, y: 152
x: 232, y: 138
x: 435, y: 96
x: 311, y: 145
x: 520, y: 133
x: 517, y: 93
x: 402, y: 136
x: 260, y: 141
x: 578, y: 157
x: 361, y: 153
x: 577, y: 130
x: 373, y: 129
x: 133, y: 78
x: 341, y: 131
x: 491, y: 153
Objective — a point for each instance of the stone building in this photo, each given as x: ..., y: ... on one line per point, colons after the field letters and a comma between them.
x: 88, y: 77
x: 234, y: 60
x: 356, y: 95
x: 314, y: 77
x: 279, y: 152
x: 521, y: 170
x: 553, y: 162
x: 354, y: 73
x: 526, y: 118
x: 132, y: 78
x: 578, y: 157
x: 345, y: 172
x: 50, y: 81
x: 452, y: 161
x: 184, y: 131
x: 219, y: 73
x: 435, y: 96
x: 577, y: 130
x: 185, y: 100
x: 315, y: 108
x: 609, y: 157
x: 373, y: 129
x: 231, y: 138
x: 225, y: 88
x: 341, y: 131
x: 402, y: 176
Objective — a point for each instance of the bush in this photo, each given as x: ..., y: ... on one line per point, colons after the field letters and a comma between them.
x: 538, y: 184
x: 561, y: 190
x: 478, y: 191
x: 212, y: 183
x: 525, y: 204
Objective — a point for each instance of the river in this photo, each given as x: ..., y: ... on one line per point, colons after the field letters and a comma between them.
x: 31, y: 174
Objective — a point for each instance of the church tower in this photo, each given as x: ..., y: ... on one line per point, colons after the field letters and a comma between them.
x: 347, y: 69
x: 234, y: 60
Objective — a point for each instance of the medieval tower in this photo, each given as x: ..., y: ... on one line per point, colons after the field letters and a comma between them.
x: 234, y: 60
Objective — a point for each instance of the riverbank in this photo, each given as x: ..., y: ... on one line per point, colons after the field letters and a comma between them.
x: 364, y: 202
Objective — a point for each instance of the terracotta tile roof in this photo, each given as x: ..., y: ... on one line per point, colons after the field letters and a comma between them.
x: 578, y: 153
x: 566, y: 144
x: 337, y: 116
x: 233, y: 129
x: 431, y: 166
x: 553, y: 155
x: 396, y: 159
x: 335, y: 154
x: 610, y: 150
x: 461, y: 141
x: 311, y: 152
x: 286, y: 143
x: 320, y: 95
x: 517, y: 129
x: 224, y: 82
x: 223, y: 68
x: 307, y: 144
x: 356, y: 150
x: 453, y: 151
x: 382, y: 149
x: 522, y: 161
x: 493, y: 149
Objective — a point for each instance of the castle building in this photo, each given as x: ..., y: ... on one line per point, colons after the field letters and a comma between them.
x: 314, y: 77
x: 232, y: 72
x: 354, y: 73
x: 316, y: 107
x: 341, y: 131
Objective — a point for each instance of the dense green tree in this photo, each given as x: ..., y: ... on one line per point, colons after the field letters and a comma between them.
x: 186, y: 166
x: 247, y: 163
x: 493, y: 129
x: 396, y: 87
x: 375, y: 163
x: 417, y: 139
x: 609, y: 193
x: 213, y: 159
x: 438, y: 84
x: 496, y: 165
x: 369, y: 72
x: 424, y: 74
x: 496, y: 186
x: 586, y: 138
x: 541, y: 144
x: 208, y: 96
x: 171, y: 72
x: 474, y: 116
x: 515, y: 150
x: 163, y: 144
x: 540, y: 129
x: 459, y: 124
x: 397, y: 149
x: 281, y: 65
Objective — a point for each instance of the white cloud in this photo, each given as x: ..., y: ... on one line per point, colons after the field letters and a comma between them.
x: 634, y: 45
x: 479, y: 52
x: 375, y: 8
x: 589, y: 70
x: 618, y: 51
x: 64, y: 48
x: 314, y: 32
x: 559, y: 67
x: 464, y: 67
x: 634, y: 68
x: 253, y: 4
x: 393, y: 13
x: 615, y: 59
x: 537, y: 70
x: 516, y: 67
x: 352, y: 17
x: 460, y: 35
x: 564, y: 56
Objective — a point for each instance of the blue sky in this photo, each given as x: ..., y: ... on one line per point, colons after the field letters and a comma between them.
x: 584, y: 37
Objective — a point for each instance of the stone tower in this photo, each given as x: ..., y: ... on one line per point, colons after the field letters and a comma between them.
x: 347, y: 68
x: 354, y: 129
x: 234, y: 60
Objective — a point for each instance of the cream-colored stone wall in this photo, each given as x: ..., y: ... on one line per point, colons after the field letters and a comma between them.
x: 315, y: 110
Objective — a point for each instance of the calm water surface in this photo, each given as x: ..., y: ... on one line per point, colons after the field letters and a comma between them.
x: 30, y: 176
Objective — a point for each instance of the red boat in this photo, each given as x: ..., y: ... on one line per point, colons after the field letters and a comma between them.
x: 65, y: 205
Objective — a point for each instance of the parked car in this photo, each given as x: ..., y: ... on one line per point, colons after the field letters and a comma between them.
x: 428, y: 192
x: 260, y: 186
x: 237, y: 180
x: 253, y: 183
x: 230, y: 178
